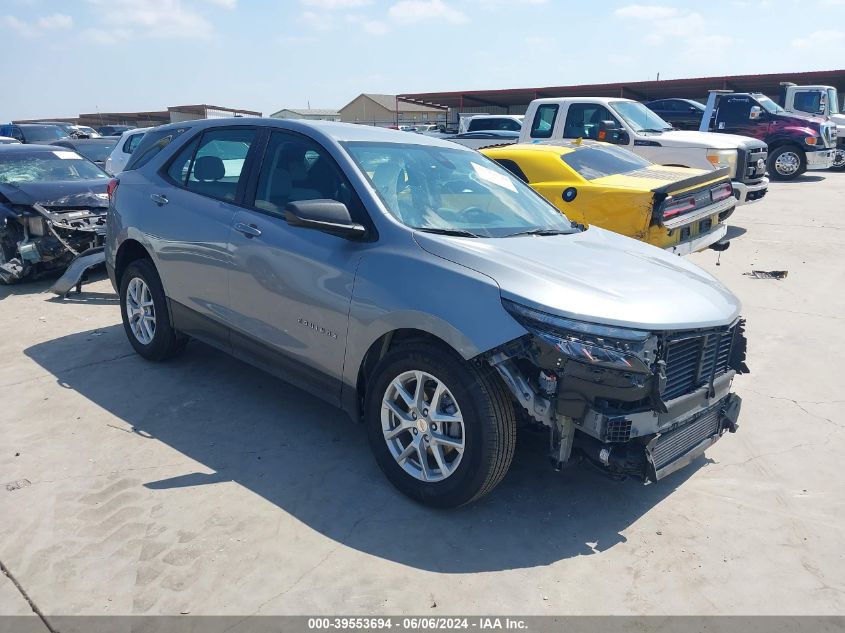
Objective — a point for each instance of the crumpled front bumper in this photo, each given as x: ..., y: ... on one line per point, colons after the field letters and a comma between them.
x: 749, y: 193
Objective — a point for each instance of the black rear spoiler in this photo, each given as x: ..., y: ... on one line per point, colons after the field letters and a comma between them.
x: 688, y: 183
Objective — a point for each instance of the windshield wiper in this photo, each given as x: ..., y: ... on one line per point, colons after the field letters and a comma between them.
x: 438, y: 231
x: 540, y: 232
x: 654, y: 131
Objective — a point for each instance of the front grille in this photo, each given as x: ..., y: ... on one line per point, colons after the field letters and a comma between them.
x: 750, y: 158
x: 690, y: 362
x: 672, y: 445
x: 618, y: 430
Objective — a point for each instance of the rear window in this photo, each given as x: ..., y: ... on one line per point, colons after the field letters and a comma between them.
x: 43, y: 132
x: 95, y: 151
x: 597, y: 162
x: 152, y: 143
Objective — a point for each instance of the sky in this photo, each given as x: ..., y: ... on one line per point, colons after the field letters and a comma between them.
x: 64, y: 57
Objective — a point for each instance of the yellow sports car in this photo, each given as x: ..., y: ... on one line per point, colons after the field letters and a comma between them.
x: 682, y: 210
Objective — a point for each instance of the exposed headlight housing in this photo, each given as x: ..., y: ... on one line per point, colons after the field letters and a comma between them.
x: 613, y: 347
x: 721, y: 158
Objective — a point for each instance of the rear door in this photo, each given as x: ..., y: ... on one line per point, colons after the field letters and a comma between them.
x: 290, y: 287
x: 190, y: 209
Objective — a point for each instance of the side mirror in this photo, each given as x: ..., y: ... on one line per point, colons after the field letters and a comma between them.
x: 328, y: 216
x: 756, y: 113
x: 609, y: 132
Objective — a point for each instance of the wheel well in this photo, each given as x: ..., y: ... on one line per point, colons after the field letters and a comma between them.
x: 383, y: 345
x: 783, y: 143
x: 128, y: 252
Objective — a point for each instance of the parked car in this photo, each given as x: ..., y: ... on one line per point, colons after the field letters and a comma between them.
x: 97, y: 150
x: 71, y: 130
x: 683, y: 114
x: 89, y: 131
x: 681, y: 210
x: 631, y: 125
x: 123, y: 149
x: 52, y: 208
x: 114, y: 130
x: 492, y: 122
x: 426, y: 291
x: 797, y: 142
x: 8, y: 140
x: 477, y: 140
x: 33, y: 132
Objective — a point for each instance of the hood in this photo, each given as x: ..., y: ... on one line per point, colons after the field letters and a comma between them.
x: 77, y: 193
x: 595, y: 276
x: 709, y: 140
x: 801, y: 120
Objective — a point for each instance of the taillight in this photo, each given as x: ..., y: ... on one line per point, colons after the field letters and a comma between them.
x: 112, y: 187
x: 721, y: 192
x: 676, y: 207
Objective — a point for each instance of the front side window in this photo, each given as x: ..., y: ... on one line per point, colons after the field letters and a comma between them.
x: 639, y: 117
x: 544, y: 121
x: 60, y: 165
x: 296, y: 168
x: 591, y: 162
x: 734, y: 111
x: 441, y: 189
x: 770, y: 106
x: 583, y: 120
x: 218, y: 165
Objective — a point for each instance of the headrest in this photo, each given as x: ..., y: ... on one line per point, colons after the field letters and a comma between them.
x: 209, y: 168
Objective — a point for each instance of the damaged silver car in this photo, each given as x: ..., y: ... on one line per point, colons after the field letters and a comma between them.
x: 426, y: 291
x: 53, y: 205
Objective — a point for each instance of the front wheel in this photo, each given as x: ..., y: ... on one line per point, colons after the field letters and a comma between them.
x: 839, y: 160
x: 786, y: 163
x: 442, y: 430
x: 146, y: 319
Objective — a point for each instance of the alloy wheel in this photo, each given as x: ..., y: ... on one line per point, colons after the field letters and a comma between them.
x: 423, y: 426
x: 140, y: 310
x: 787, y: 163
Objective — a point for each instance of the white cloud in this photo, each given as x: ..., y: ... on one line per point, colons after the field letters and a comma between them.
x: 55, y: 21
x: 154, y: 18
x: 410, y: 11
x: 646, y: 12
x: 226, y: 4
x: 371, y: 27
x: 318, y: 21
x: 331, y: 5
x: 687, y: 31
x: 819, y: 39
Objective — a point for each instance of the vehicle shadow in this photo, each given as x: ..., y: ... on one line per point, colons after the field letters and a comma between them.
x: 808, y: 178
x: 312, y: 462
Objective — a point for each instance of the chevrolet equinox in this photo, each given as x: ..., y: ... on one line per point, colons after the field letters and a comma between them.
x: 427, y: 292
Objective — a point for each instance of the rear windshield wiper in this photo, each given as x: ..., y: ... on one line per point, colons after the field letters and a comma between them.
x: 437, y: 231
x: 541, y: 232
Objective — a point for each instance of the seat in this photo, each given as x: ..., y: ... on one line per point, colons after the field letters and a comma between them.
x: 207, y: 175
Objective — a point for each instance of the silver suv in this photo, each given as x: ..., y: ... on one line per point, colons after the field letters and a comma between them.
x: 427, y: 292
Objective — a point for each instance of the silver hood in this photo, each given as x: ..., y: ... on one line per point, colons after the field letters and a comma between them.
x: 595, y: 276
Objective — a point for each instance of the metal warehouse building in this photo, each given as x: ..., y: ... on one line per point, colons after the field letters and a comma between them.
x: 516, y: 100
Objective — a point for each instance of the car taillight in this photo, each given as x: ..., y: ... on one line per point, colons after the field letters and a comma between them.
x: 676, y: 207
x: 721, y: 192
x: 112, y: 187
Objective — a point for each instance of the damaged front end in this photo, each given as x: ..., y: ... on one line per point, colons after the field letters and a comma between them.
x: 44, y: 233
x: 633, y: 402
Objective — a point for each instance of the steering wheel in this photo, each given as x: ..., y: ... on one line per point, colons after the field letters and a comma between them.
x: 476, y: 214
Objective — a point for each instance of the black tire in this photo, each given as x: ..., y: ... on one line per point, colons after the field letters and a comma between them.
x: 841, y: 165
x: 166, y: 342
x: 488, y: 417
x: 774, y: 174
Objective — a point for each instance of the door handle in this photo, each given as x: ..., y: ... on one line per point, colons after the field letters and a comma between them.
x: 250, y: 230
x: 159, y: 198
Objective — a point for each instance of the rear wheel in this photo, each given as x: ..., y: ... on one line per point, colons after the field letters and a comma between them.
x: 786, y: 163
x: 146, y: 319
x: 442, y: 430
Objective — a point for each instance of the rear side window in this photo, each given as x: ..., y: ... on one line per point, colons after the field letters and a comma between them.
x: 544, y: 121
x: 181, y: 164
x: 218, y: 165
x: 150, y: 145
x: 513, y: 168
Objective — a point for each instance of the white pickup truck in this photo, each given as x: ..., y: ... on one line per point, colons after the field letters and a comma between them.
x: 631, y: 125
x: 818, y: 101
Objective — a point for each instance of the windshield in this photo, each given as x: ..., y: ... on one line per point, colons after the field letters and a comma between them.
x: 452, y: 190
x: 833, y: 100
x: 96, y: 151
x: 597, y: 161
x: 55, y: 166
x: 770, y: 106
x: 639, y: 117
x: 43, y: 132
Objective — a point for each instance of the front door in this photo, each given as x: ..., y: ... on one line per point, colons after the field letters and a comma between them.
x: 290, y: 287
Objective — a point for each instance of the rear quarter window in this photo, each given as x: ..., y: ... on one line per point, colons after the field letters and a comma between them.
x: 151, y: 144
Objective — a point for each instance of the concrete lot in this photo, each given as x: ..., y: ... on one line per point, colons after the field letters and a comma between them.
x: 205, y: 486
